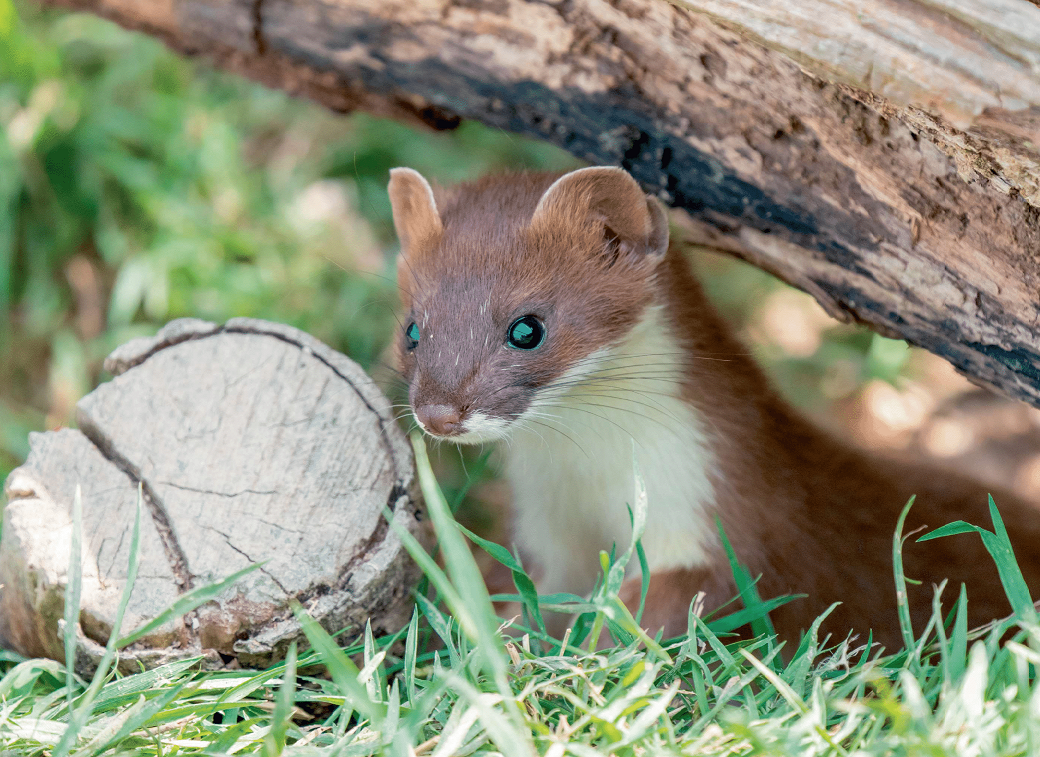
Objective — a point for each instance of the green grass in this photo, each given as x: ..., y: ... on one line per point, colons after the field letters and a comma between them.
x: 454, y: 682
x: 161, y: 188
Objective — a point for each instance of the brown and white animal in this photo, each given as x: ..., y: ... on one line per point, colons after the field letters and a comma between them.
x: 548, y: 312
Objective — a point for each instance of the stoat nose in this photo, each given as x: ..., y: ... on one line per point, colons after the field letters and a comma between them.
x: 442, y: 420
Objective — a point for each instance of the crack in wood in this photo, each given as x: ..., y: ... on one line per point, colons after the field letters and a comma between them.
x: 397, y: 492
x: 398, y: 496
x: 120, y: 362
x: 250, y: 560
x: 228, y: 495
x: 175, y: 555
x: 201, y: 330
x: 383, y: 433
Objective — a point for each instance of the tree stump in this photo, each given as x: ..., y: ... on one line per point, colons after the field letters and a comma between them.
x: 251, y: 442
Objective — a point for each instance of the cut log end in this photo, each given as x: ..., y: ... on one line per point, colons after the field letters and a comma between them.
x: 250, y: 443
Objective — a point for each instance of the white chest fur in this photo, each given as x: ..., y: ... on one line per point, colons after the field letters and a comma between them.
x: 569, y: 462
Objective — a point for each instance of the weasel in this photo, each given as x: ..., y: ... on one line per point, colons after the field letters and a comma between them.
x: 549, y: 312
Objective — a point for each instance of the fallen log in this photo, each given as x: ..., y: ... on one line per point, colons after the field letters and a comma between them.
x: 886, y: 160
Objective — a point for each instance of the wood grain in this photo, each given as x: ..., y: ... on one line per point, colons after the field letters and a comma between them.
x: 908, y: 203
x: 252, y: 443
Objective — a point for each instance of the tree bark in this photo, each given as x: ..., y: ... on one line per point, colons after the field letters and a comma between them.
x: 885, y: 161
x: 249, y: 443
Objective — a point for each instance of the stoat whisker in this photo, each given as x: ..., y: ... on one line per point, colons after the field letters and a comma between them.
x: 721, y: 357
x: 583, y: 406
x: 616, y: 365
x: 632, y: 379
x: 656, y: 407
x: 604, y: 389
x: 626, y: 365
x: 391, y: 368
x: 637, y: 371
x: 558, y: 431
x: 552, y: 417
x: 395, y: 382
x: 462, y: 461
x: 528, y: 425
x: 657, y: 377
x: 611, y: 357
x: 377, y: 301
x: 646, y: 392
x: 620, y: 389
x: 415, y: 278
x: 548, y: 418
x: 513, y: 385
x: 358, y: 272
x: 649, y: 377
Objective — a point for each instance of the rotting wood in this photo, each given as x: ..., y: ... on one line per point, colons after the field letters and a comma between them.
x: 886, y: 210
x: 966, y: 73
x: 251, y: 442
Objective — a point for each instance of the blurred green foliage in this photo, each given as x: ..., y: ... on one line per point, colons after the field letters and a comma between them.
x: 137, y: 187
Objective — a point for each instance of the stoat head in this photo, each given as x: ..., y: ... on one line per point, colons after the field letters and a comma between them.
x: 511, y: 281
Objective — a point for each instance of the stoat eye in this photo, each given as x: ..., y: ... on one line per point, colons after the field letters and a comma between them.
x: 411, y: 335
x: 526, y: 333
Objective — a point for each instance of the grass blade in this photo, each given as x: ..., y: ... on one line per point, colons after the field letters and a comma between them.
x: 86, y: 706
x: 902, y: 598
x: 756, y: 609
x: 73, y: 591
x: 468, y: 583
x: 274, y: 743
x: 999, y: 546
x: 187, y: 602
x: 411, y: 645
x: 527, y: 592
x: 959, y: 638
x: 343, y: 671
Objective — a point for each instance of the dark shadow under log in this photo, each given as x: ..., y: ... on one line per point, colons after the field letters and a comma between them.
x: 884, y: 210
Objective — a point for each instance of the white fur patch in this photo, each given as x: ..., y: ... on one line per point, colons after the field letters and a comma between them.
x: 479, y: 428
x: 569, y: 461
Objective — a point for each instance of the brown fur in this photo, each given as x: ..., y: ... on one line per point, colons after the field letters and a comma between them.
x: 550, y: 266
x: 808, y: 512
x: 815, y: 516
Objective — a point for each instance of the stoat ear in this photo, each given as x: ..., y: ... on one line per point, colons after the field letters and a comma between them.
x: 415, y: 210
x: 631, y: 223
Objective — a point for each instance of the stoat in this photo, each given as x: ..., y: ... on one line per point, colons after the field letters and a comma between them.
x: 549, y: 313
